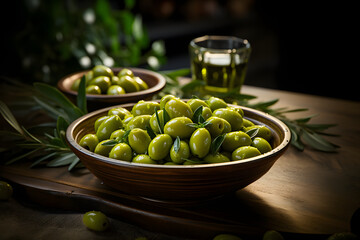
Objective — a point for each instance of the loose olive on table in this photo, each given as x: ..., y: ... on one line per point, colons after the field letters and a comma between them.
x: 102, y: 80
x: 177, y: 132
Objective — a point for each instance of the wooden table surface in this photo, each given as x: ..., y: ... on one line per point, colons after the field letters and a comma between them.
x: 304, y: 192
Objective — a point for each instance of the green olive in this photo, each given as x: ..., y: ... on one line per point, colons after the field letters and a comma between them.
x: 99, y: 121
x: 194, y: 103
x: 6, y: 190
x: 115, y: 90
x: 128, y: 84
x: 120, y: 111
x: 233, y: 117
x: 101, y: 70
x: 178, y: 108
x: 125, y: 72
x: 103, y: 150
x: 93, y: 89
x: 261, y: 144
x: 234, y: 140
x: 145, y: 108
x: 142, y: 84
x: 217, y: 126
x: 154, y: 123
x: 117, y: 134
x: 247, y: 123
x: 139, y: 140
x: 115, y: 80
x: 200, y: 142
x: 244, y: 152
x: 237, y: 109
x: 141, y: 121
x: 179, y: 127
x: 102, y: 81
x: 263, y: 132
x: 89, y: 76
x: 215, y: 103
x: 108, y: 126
x: 96, y: 221
x: 76, y: 84
x: 226, y: 237
x: 160, y: 146
x: 183, y: 152
x: 143, y: 158
x: 216, y: 158
x: 206, y: 113
x: 121, y: 151
x: 165, y: 99
x: 127, y: 119
x: 89, y: 142
x: 272, y: 235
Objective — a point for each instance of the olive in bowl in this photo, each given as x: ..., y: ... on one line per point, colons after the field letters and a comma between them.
x: 191, y: 173
x: 110, y: 86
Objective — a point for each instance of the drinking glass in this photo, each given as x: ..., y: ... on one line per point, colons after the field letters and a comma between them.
x: 220, y: 61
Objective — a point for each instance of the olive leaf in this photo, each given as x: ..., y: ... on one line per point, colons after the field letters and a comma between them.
x: 81, y: 96
x: 252, y: 133
x: 197, y: 116
x: 216, y: 143
x: 159, y: 123
x: 177, y: 144
x: 150, y: 132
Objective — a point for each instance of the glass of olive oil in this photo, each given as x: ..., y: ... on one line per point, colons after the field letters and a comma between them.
x: 220, y: 61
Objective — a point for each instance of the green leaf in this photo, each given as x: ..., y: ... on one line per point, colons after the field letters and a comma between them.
x: 192, y: 85
x: 54, y: 112
x: 317, y: 142
x: 9, y: 117
x: 197, y: 114
x: 295, y: 140
x: 22, y: 156
x: 264, y: 105
x: 61, y: 127
x: 54, y: 94
x: 216, y: 143
x: 305, y: 119
x: 177, y: 144
x: 166, y: 116
x: 111, y: 142
x: 62, y: 160
x: 252, y: 133
x: 47, y: 156
x: 177, y: 73
x: 73, y: 164
x: 81, y: 97
x: 160, y: 125
x: 293, y: 110
x: 150, y: 132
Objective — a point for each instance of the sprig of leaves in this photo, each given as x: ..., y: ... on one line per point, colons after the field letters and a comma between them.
x: 51, y: 146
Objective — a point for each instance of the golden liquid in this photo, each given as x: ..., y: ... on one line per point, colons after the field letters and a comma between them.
x: 219, y: 76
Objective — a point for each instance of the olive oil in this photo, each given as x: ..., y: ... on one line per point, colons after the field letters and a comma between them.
x: 220, y: 72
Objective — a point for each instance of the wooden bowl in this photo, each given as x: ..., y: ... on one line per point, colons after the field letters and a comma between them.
x: 155, y: 81
x: 179, y: 183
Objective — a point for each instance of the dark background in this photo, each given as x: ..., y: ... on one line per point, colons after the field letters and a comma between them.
x: 301, y: 46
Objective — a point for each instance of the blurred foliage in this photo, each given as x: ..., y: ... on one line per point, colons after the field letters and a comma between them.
x: 62, y: 36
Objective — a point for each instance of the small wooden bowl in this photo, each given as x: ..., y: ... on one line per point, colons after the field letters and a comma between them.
x: 183, y: 184
x: 155, y: 81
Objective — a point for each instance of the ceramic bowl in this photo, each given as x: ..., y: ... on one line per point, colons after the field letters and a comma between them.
x: 155, y: 81
x: 179, y: 183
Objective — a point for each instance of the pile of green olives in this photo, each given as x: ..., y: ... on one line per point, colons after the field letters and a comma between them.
x: 102, y: 80
x: 179, y: 132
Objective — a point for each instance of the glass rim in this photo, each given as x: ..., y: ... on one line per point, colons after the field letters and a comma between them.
x: 245, y: 43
